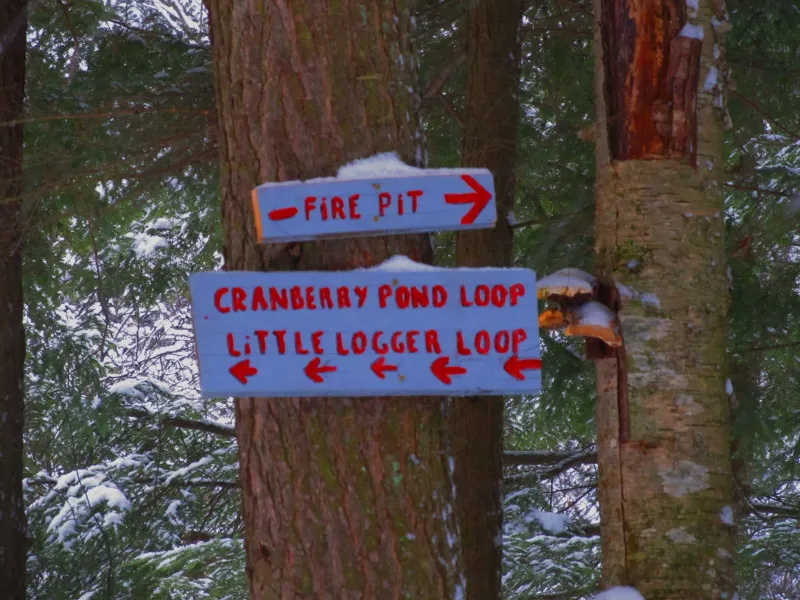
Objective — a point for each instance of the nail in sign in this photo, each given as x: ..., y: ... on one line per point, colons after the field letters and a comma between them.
x: 367, y: 333
x: 436, y: 200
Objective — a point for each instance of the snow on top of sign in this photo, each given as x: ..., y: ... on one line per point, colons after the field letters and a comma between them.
x: 386, y: 164
x: 379, y: 166
x: 403, y: 263
x: 619, y: 593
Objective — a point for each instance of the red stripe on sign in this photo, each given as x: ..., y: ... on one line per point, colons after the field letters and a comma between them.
x: 281, y: 214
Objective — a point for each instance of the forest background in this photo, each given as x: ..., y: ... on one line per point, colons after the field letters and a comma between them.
x: 131, y: 477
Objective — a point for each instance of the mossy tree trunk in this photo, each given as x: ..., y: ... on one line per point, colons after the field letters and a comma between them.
x: 342, y: 498
x: 663, y: 414
x: 13, y: 526
x: 489, y: 141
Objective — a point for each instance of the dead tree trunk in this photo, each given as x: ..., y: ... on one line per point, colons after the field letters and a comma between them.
x: 342, y: 498
x: 490, y: 141
x: 13, y: 527
x: 663, y: 414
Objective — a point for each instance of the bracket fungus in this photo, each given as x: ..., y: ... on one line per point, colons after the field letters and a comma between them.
x: 567, y: 286
x: 597, y: 321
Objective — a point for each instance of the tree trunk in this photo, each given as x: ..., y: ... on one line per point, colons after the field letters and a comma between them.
x: 342, y: 498
x: 13, y: 527
x: 663, y: 414
x: 490, y: 141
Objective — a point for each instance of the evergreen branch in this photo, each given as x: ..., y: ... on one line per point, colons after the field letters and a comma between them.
x: 748, y: 188
x: 110, y: 114
x: 515, y: 457
x: 437, y: 82
x: 764, y: 114
x: 184, y: 423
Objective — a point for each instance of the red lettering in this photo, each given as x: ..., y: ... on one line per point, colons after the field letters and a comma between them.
x: 483, y: 343
x: 297, y: 297
x: 378, y: 346
x: 247, y: 349
x: 337, y: 208
x: 280, y: 337
x: 323, y: 208
x: 411, y: 341
x: 340, y: 349
x: 415, y: 194
x: 343, y: 296
x: 400, y: 204
x: 482, y: 295
x: 325, y: 298
x: 402, y: 297
x: 218, y: 300
x: 231, y: 349
x: 310, y: 205
x: 279, y: 298
x: 432, y: 342
x: 464, y: 300
x: 517, y: 292
x: 384, y: 292
x: 298, y: 343
x: 262, y: 340
x: 259, y: 301
x: 361, y: 293
x: 499, y: 295
x: 419, y: 297
x: 397, y: 345
x: 238, y: 296
x: 316, y: 341
x: 359, y: 342
x: 462, y: 349
x: 517, y: 337
x: 353, y: 200
x: 310, y: 298
x: 439, y: 296
x: 502, y: 341
x: 384, y: 202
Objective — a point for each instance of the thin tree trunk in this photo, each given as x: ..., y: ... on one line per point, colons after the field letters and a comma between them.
x: 342, y: 498
x: 663, y: 416
x: 13, y: 526
x: 490, y: 141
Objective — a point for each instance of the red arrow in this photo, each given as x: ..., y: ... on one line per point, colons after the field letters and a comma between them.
x: 280, y: 214
x: 379, y: 367
x: 515, y: 366
x: 313, y: 370
x: 479, y: 198
x: 242, y: 370
x: 442, y: 371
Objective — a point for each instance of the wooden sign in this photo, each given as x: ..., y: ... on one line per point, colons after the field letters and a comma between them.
x: 436, y: 200
x: 376, y: 332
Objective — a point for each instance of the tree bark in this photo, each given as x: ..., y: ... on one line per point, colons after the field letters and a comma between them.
x: 489, y: 141
x: 13, y: 525
x: 342, y: 498
x: 663, y: 416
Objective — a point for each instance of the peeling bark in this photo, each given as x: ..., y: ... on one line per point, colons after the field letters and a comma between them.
x: 489, y: 141
x: 662, y: 412
x: 342, y: 498
x: 13, y: 525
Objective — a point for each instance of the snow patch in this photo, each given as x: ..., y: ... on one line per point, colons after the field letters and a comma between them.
x: 403, y: 263
x: 680, y: 536
x: 619, y: 593
x: 711, y: 79
x: 512, y: 218
x: 726, y: 515
x: 691, y: 31
x: 594, y: 313
x: 550, y: 522
x: 692, y: 7
x: 145, y: 245
x: 684, y: 478
x: 161, y: 75
x: 380, y: 165
x: 728, y: 387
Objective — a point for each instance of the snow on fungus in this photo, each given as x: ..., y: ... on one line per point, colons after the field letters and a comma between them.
x: 597, y: 321
x: 552, y: 318
x: 619, y: 593
x: 566, y: 282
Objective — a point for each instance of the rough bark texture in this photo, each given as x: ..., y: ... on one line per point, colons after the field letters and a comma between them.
x: 663, y: 415
x: 342, y: 498
x: 490, y: 141
x: 13, y: 527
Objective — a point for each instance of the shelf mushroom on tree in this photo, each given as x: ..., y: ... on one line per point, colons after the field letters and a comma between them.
x: 578, y: 311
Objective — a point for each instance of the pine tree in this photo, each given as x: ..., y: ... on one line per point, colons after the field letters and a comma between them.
x: 341, y: 497
x: 13, y: 528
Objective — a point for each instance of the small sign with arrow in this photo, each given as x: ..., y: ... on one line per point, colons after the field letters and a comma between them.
x: 430, y: 200
x: 399, y: 329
